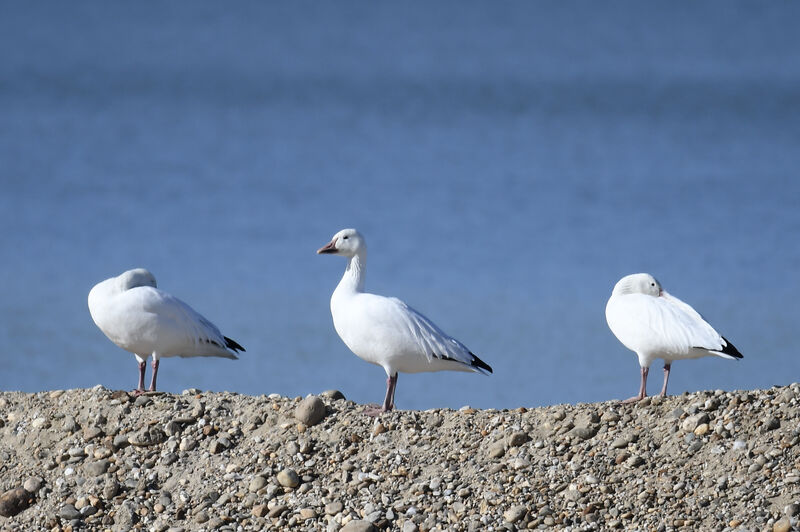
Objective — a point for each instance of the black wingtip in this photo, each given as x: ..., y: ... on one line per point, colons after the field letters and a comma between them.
x: 232, y: 344
x: 730, y: 349
x: 478, y: 363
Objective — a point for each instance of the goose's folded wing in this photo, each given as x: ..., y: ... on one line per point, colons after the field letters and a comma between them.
x: 661, y: 324
x: 432, y: 341
x: 185, y: 328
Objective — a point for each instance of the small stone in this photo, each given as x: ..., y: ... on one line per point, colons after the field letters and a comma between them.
x: 357, y: 525
x: 333, y: 395
x: 260, y: 510
x: 782, y: 525
x: 201, y: 517
x: 95, y: 469
x: 121, y: 440
x: 69, y: 512
x: 147, y: 437
x: 70, y: 425
x: 585, y: 432
x: 411, y: 526
x: 38, y: 423
x: 333, y: 508
x: 701, y: 430
x: 142, y: 400
x: 14, y: 501
x: 772, y: 424
x: 635, y: 461
x: 33, y: 484
x: 692, y: 422
x: 91, y: 433
x: 111, y: 489
x: 379, y: 428
x: 278, y: 510
x: 792, y: 509
x: 308, y: 513
x: 517, y: 439
x: 310, y: 411
x: 288, y: 478
x: 188, y: 444
x: 257, y: 483
x: 515, y: 513
x: 497, y: 449
x: 621, y: 442
x: 217, y: 446
x: 173, y: 428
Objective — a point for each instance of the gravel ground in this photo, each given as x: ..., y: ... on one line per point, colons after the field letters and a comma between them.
x: 104, y: 460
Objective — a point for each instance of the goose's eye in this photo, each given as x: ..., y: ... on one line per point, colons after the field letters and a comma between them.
x: 345, y: 237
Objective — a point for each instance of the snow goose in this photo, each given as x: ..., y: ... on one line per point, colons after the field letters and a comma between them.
x: 384, y: 330
x: 146, y: 321
x: 654, y: 324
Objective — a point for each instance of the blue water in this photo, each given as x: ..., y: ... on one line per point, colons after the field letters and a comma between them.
x: 507, y: 163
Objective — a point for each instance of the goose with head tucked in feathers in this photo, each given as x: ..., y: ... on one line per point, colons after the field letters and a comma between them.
x: 384, y: 330
x: 146, y: 321
x: 654, y: 324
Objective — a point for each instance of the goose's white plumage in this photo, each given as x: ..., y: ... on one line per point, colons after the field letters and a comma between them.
x: 146, y: 321
x: 384, y: 330
x: 654, y: 324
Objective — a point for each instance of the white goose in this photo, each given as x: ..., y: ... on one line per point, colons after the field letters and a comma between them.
x: 384, y: 330
x: 146, y: 321
x: 653, y: 324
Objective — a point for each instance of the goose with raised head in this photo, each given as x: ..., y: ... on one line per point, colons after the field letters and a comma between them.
x: 384, y: 330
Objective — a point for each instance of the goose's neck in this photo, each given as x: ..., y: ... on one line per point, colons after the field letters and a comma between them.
x: 353, y: 278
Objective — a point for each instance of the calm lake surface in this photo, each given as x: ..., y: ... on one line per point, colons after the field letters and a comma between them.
x: 507, y: 163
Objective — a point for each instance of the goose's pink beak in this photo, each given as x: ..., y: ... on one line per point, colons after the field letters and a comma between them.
x: 330, y: 247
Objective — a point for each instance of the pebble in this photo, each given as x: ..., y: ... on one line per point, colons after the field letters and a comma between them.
x: 257, y: 483
x: 69, y: 512
x: 497, y: 450
x: 782, y: 525
x: 308, y: 513
x: 333, y: 508
x: 288, y: 478
x: 357, y: 525
x: 410, y: 526
x: 310, y: 411
x: 90, y: 433
x: 333, y: 395
x: 33, y: 484
x: 14, y: 501
x: 515, y: 513
x: 95, y: 469
x: 111, y: 488
x: 517, y: 439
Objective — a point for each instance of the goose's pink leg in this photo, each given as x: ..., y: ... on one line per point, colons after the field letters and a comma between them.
x: 642, y: 388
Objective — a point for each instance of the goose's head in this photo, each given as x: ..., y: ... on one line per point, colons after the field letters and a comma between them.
x: 347, y: 242
x: 136, y: 277
x: 638, y: 283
